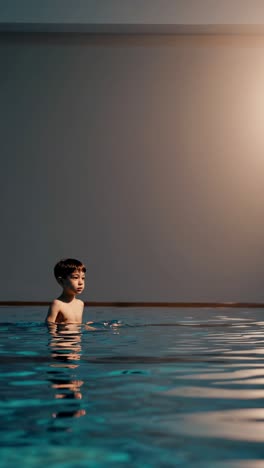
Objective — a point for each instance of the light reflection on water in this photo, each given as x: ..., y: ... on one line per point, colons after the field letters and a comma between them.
x: 165, y: 388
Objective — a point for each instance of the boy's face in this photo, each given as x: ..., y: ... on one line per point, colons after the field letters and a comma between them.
x: 74, y: 283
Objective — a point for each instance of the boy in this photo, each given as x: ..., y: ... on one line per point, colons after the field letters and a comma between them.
x: 70, y: 274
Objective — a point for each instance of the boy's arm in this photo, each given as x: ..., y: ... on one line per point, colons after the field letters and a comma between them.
x: 87, y: 327
x: 53, y: 312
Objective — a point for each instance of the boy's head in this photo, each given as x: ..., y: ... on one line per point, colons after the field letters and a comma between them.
x: 66, y: 267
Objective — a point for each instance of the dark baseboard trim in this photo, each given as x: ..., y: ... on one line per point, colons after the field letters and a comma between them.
x: 144, y: 304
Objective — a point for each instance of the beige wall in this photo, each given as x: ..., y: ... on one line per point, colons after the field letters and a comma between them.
x: 143, y: 156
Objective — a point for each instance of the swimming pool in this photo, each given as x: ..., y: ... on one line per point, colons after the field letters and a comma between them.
x: 169, y: 387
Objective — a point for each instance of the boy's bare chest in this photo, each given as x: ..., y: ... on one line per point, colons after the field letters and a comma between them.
x: 72, y: 312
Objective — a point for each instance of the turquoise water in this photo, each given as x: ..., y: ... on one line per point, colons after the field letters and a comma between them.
x: 169, y: 387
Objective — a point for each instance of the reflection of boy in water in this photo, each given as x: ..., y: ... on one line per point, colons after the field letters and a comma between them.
x: 68, y: 389
x: 70, y: 274
x: 65, y: 344
x: 66, y: 347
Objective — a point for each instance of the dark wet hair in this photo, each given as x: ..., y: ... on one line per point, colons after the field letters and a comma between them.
x: 67, y: 266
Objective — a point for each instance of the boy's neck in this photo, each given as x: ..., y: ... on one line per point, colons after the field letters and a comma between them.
x: 66, y: 297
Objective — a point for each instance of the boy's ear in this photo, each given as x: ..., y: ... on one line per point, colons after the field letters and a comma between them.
x: 59, y: 279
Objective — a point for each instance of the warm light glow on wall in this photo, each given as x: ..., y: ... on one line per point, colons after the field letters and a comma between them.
x: 252, y: 111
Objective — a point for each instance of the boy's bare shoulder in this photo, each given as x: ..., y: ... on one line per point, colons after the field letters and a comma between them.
x: 54, y: 310
x: 56, y: 303
x: 80, y: 302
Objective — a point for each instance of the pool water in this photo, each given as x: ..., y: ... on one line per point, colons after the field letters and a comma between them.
x: 148, y: 388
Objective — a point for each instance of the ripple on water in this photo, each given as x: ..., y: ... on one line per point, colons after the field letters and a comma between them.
x: 30, y: 383
x: 66, y: 457
x: 17, y: 374
x: 223, y: 393
x: 243, y: 424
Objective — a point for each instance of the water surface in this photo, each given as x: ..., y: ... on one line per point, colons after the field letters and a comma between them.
x: 169, y: 387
